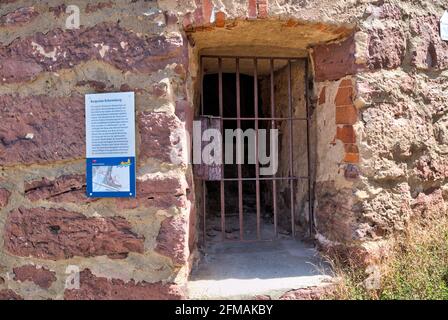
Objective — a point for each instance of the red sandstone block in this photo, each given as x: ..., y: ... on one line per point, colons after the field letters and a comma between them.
x: 100, y: 288
x: 346, y: 134
x: 57, y: 234
x: 252, y: 9
x: 4, y: 197
x: 143, y: 54
x: 207, y: 8
x: 18, y: 17
x: 156, y: 130
x: 157, y: 192
x: 335, y: 61
x: 172, y: 240
x: 8, y: 294
x: 262, y: 9
x: 51, y: 129
x: 66, y: 188
x: 346, y: 115
x: 40, y: 276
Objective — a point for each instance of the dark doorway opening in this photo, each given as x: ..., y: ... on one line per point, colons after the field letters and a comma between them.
x: 255, y: 94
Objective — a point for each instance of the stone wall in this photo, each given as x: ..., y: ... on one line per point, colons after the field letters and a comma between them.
x: 135, y: 248
x: 380, y: 118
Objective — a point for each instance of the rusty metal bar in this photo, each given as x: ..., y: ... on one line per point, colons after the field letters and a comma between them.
x: 269, y: 179
x: 260, y: 119
x: 273, y: 125
x: 204, y: 210
x: 291, y: 155
x: 240, y: 182
x: 253, y: 57
x: 201, y: 75
x: 308, y: 128
x: 257, y: 165
x: 221, y: 113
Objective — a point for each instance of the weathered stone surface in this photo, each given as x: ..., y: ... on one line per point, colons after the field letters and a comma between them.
x: 99, y: 288
x: 98, y: 6
x: 67, y: 188
x: 159, y: 136
x: 335, y: 61
x: 4, y: 197
x: 429, y: 50
x: 110, y: 43
x: 8, y: 294
x: 16, y: 70
x: 41, y: 129
x: 334, y: 213
x: 59, y: 234
x: 40, y: 276
x: 310, y: 293
x: 430, y: 205
x: 18, y: 17
x: 157, y: 191
x: 387, y: 48
x: 172, y: 240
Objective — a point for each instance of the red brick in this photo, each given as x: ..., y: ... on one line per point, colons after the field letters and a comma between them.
x: 346, y: 115
x: 56, y: 234
x: 351, y: 148
x: 346, y: 83
x: 346, y: 134
x: 100, y: 288
x: 351, y: 158
x: 220, y: 19
x: 40, y: 276
x: 335, y: 61
x: 172, y: 240
x: 344, y: 97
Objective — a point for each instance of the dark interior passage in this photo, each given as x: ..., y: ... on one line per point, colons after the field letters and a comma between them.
x: 213, y: 191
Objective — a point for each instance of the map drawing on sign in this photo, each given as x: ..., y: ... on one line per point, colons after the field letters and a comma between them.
x: 111, y: 178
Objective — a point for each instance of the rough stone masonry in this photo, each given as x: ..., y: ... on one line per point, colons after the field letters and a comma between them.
x: 380, y: 121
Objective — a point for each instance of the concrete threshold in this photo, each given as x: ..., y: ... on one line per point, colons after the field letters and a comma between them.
x: 246, y: 270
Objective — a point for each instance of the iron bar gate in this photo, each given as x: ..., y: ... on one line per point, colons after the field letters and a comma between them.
x: 213, y: 175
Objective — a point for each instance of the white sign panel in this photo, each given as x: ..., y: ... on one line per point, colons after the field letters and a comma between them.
x: 444, y: 26
x: 110, y: 144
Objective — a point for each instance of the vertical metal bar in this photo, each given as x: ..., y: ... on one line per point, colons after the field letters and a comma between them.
x: 204, y: 223
x: 291, y: 157
x: 308, y: 125
x: 273, y: 125
x: 201, y: 75
x: 240, y: 182
x: 257, y: 165
x: 221, y: 114
x: 204, y: 209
